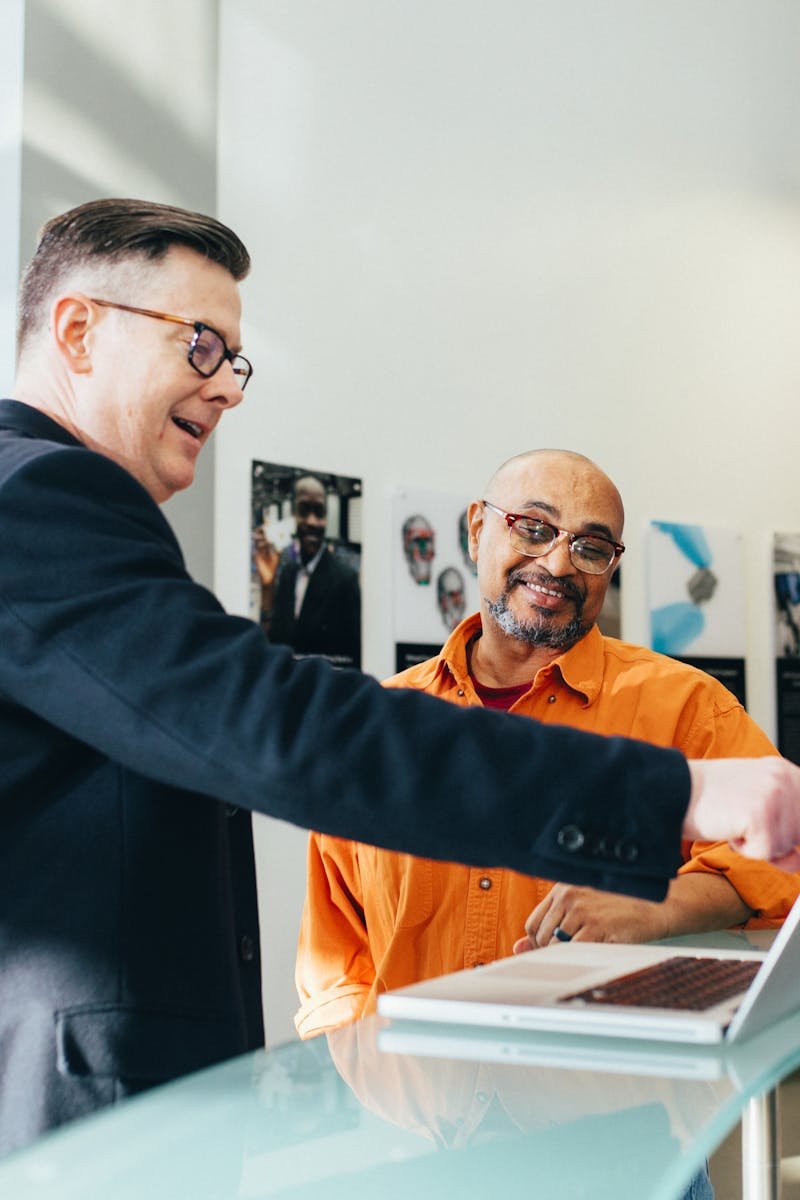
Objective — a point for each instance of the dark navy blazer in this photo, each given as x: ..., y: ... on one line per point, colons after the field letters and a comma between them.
x: 329, y: 621
x: 139, y: 722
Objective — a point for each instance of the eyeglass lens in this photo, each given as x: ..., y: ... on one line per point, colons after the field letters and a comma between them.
x: 593, y: 555
x: 208, y: 352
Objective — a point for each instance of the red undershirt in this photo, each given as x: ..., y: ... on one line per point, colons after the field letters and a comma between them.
x: 499, y: 697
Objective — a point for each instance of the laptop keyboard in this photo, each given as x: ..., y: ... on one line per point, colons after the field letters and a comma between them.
x: 690, y: 984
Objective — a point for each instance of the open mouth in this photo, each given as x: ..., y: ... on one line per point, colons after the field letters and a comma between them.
x: 188, y: 426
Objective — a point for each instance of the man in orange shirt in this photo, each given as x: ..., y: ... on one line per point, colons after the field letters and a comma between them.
x: 546, y: 540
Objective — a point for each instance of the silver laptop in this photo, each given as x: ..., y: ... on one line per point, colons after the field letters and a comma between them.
x: 668, y: 993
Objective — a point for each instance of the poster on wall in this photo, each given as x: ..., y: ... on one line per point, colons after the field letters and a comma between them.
x: 435, y: 583
x: 786, y: 594
x: 305, y: 560
x: 696, y: 599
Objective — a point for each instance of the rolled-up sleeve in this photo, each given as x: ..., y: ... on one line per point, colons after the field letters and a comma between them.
x: 334, y: 972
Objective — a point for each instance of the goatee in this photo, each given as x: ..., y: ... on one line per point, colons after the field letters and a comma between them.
x: 539, y: 629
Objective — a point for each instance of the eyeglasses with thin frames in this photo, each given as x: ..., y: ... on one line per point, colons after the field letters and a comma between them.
x: 588, y: 552
x: 207, y: 349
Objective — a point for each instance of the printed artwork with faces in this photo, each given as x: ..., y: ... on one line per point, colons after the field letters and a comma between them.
x: 463, y: 541
x: 450, y: 597
x: 419, y: 545
x: 435, y: 584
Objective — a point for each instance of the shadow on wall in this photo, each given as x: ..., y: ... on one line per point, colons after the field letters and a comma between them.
x: 103, y: 106
x: 139, y: 119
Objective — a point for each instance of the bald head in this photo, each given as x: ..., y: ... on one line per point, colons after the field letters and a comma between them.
x: 549, y: 599
x: 557, y: 473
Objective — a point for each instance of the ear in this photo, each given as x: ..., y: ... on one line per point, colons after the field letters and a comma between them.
x: 71, y: 320
x: 474, y: 527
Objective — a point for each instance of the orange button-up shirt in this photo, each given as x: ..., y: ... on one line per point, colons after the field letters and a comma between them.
x: 375, y: 919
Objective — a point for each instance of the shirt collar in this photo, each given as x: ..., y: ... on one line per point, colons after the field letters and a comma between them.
x: 33, y: 422
x: 454, y: 654
x: 580, y: 667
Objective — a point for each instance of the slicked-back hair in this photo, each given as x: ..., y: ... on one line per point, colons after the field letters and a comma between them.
x: 115, y: 231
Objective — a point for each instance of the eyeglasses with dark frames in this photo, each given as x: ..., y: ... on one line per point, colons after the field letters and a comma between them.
x: 207, y: 349
x: 589, y: 552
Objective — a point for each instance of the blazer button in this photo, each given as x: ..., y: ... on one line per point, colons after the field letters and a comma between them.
x: 570, y: 838
x: 625, y: 851
x: 247, y: 948
x: 231, y: 810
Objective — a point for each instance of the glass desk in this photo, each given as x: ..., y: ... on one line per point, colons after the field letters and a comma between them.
x: 391, y: 1110
x: 396, y: 1109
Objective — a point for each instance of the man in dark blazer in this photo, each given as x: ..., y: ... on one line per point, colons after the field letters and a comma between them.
x: 139, y: 722
x: 317, y: 596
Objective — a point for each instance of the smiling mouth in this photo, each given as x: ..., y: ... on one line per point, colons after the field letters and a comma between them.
x: 190, y: 427
x: 536, y: 588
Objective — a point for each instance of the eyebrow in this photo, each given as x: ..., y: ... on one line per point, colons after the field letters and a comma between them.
x: 553, y: 511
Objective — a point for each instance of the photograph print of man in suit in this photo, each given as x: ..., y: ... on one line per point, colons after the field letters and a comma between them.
x: 305, y: 566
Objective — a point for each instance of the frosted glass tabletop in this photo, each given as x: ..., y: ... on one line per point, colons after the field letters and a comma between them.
x: 390, y: 1110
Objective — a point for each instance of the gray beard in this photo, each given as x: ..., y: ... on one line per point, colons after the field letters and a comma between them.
x: 538, y: 630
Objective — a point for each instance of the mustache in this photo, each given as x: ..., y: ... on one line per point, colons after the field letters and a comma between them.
x: 565, y: 586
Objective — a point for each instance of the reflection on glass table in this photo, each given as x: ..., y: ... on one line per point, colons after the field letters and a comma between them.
x: 379, y: 1109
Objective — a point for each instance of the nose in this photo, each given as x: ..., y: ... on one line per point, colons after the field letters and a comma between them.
x: 223, y: 387
x: 558, y: 557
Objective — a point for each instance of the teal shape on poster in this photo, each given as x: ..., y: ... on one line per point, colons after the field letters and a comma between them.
x: 690, y: 540
x: 674, y: 626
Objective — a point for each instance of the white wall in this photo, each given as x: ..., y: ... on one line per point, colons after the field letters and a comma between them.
x: 482, y: 227
x: 11, y: 60
x: 120, y: 99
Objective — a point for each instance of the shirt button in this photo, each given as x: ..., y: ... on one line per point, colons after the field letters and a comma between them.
x: 460, y: 692
x: 551, y: 699
x: 485, y: 883
x: 247, y: 948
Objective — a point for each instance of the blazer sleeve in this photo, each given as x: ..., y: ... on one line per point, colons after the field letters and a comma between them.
x: 107, y: 638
